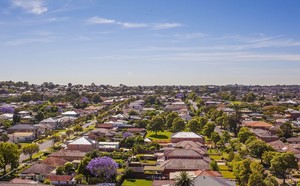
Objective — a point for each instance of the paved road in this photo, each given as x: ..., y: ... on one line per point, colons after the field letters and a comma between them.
x: 42, y: 146
x: 89, y: 124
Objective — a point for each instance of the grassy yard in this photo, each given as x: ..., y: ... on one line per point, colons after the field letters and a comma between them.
x: 166, y: 135
x: 223, y: 167
x: 227, y: 174
x: 137, y: 182
x: 215, y: 157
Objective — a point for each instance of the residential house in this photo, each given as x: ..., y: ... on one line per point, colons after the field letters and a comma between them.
x: 108, y: 146
x: 196, y: 146
x: 293, y: 140
x: 264, y: 135
x: 182, y: 154
x: 20, y: 137
x: 70, y: 113
x: 60, y: 179
x: 96, y: 134
x: 83, y: 144
x: 186, y: 136
x: 54, y: 123
x: 185, y: 116
x: 257, y: 125
x: 213, y: 181
x: 53, y: 161
x: 37, y: 172
x: 22, y: 128
x: 68, y: 155
x: 23, y: 182
x: 173, y: 165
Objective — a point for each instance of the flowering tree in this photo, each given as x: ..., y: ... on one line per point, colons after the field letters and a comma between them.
x: 127, y: 134
x: 84, y: 100
x: 104, y: 167
x: 7, y: 110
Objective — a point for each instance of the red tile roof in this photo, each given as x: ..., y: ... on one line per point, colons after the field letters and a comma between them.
x: 59, y: 177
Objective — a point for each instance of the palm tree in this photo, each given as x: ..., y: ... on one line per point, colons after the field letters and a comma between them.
x: 184, y: 179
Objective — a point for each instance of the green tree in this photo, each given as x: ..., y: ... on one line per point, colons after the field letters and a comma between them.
x: 31, y: 149
x: 184, y: 179
x: 178, y: 125
x: 60, y: 170
x: 242, y: 171
x: 82, y: 168
x: 286, y: 130
x: 282, y: 164
x: 255, y: 179
x: 9, y: 155
x: 40, y: 116
x: 257, y: 148
x: 208, y: 129
x: 4, y: 137
x: 156, y: 124
x: 214, y: 166
x: 215, y: 137
x: 78, y: 129
x: 69, y: 168
x: 226, y: 136
x: 267, y: 157
x: 270, y: 181
x: 244, y: 134
x: 194, y: 126
x: 79, y: 178
x: 170, y: 118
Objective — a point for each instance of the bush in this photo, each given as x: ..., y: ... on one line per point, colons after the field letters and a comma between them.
x: 47, y: 182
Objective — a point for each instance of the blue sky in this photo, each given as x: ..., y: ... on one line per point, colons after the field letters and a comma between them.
x: 142, y: 42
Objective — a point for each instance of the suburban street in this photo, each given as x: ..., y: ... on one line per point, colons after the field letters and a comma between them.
x: 42, y: 146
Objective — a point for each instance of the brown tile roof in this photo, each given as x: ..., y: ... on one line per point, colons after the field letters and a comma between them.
x: 54, y: 177
x: 22, y: 181
x: 196, y: 146
x: 294, y: 139
x: 182, y: 153
x: 185, y: 164
x: 68, y: 153
x: 39, y: 168
x: 55, y: 161
x: 106, y: 126
x: 257, y: 124
x: 136, y: 130
x: 278, y: 145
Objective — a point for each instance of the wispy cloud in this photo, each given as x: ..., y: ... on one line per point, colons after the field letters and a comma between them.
x: 133, y: 25
x: 99, y: 20
x: 155, y: 26
x: 33, y: 6
x: 160, y: 26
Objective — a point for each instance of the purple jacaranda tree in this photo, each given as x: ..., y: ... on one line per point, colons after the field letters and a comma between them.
x: 84, y: 100
x: 39, y: 102
x: 7, y: 109
x: 127, y: 134
x: 104, y: 167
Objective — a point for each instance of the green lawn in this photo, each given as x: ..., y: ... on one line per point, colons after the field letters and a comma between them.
x: 223, y: 167
x: 160, y: 135
x: 215, y: 157
x: 137, y: 182
x: 227, y: 174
